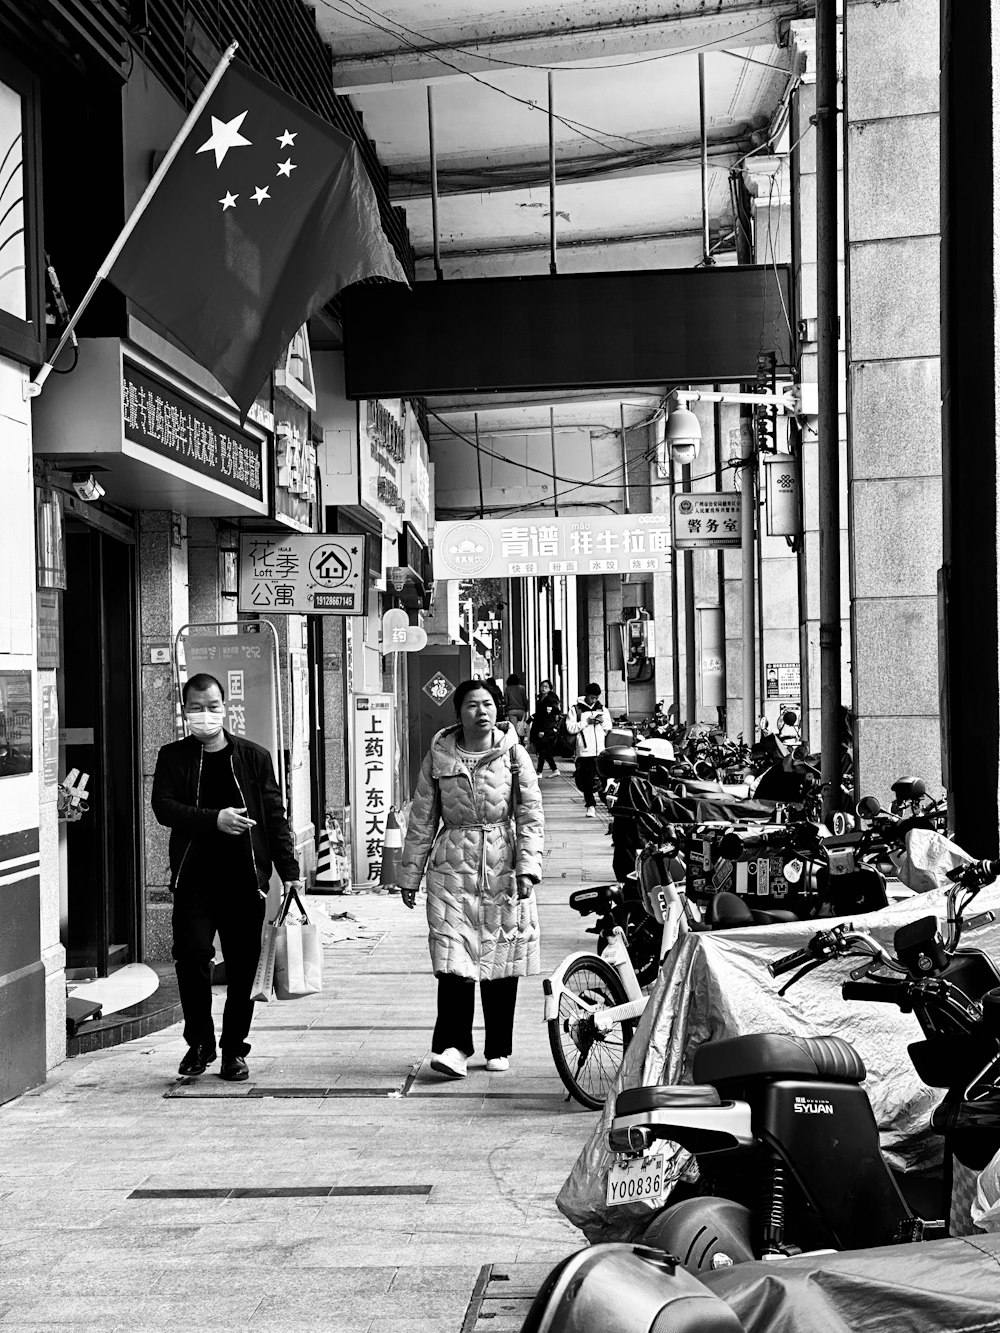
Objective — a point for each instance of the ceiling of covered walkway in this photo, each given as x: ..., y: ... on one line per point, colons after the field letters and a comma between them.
x: 627, y: 132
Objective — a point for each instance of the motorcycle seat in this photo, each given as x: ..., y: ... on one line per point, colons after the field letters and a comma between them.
x: 665, y: 1095
x: 726, y: 911
x: 772, y: 917
x: 777, y: 1055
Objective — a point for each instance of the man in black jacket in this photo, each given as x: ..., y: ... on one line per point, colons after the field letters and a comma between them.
x: 218, y: 795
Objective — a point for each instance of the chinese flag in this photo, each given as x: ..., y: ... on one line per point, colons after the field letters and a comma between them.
x: 265, y: 214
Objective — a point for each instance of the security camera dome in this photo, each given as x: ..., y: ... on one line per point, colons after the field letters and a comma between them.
x: 683, y: 435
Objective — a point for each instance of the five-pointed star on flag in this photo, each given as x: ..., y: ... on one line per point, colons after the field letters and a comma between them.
x: 228, y: 201
x: 286, y: 140
x: 261, y: 193
x: 225, y: 135
x: 286, y: 168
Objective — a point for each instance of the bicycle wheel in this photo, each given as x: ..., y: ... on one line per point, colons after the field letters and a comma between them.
x: 586, y: 1057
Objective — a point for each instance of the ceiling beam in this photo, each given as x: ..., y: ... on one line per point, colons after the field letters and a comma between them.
x: 741, y: 24
x: 409, y: 181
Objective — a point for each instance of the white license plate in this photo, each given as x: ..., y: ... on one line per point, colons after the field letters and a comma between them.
x: 642, y: 1179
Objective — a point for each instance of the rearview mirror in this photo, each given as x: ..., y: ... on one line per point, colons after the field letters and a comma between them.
x: 868, y: 807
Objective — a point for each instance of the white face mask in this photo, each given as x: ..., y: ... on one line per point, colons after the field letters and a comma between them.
x: 205, y: 725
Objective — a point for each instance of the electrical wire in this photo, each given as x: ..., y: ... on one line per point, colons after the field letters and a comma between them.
x: 520, y: 64
x: 575, y: 126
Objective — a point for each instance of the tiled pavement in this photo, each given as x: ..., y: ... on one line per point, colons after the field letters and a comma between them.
x: 391, y: 1188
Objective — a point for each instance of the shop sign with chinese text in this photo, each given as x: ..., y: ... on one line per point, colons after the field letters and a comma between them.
x: 522, y: 547
x: 304, y: 574
x: 372, y: 768
x: 706, y: 518
x: 157, y: 416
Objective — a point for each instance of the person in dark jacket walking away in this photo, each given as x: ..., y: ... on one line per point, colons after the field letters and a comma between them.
x: 218, y: 795
x: 545, y: 726
x: 515, y: 699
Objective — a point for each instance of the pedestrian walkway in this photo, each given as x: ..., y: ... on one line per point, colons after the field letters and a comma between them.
x: 345, y: 1187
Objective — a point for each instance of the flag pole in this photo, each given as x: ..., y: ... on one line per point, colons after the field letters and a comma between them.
x: 33, y: 388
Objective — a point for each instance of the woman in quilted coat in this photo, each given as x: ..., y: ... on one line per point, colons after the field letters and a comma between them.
x: 476, y: 826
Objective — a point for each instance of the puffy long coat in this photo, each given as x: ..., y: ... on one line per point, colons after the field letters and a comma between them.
x: 460, y: 830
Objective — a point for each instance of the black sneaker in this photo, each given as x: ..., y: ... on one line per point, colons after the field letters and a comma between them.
x: 196, y: 1061
x: 234, y: 1069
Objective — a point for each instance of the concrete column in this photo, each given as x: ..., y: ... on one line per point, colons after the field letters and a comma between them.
x: 892, y: 131
x: 803, y: 196
x: 163, y: 609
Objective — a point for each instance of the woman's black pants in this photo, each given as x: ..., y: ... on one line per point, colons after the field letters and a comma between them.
x: 456, y: 1006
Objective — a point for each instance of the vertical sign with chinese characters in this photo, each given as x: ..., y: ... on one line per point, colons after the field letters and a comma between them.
x: 372, y: 770
x: 244, y: 666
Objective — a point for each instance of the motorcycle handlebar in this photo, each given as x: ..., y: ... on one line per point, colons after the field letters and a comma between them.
x: 975, y: 875
x: 790, y: 962
x: 737, y: 845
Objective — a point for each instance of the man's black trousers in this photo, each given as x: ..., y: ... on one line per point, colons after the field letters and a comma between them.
x: 237, y: 913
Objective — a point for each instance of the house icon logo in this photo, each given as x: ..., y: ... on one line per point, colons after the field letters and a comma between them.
x: 331, y: 565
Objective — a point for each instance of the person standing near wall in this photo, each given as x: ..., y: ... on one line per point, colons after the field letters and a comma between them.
x: 218, y: 795
x: 589, y: 721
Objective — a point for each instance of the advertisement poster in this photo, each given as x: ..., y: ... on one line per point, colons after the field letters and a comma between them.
x: 372, y: 769
x: 244, y: 665
x: 15, y: 723
x: 782, y: 680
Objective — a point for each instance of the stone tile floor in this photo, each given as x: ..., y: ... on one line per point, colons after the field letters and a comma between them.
x: 79, y: 1250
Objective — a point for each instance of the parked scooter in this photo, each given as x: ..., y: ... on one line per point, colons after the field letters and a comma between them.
x: 781, y: 1128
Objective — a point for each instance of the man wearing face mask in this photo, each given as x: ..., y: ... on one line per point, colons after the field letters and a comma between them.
x: 217, y: 794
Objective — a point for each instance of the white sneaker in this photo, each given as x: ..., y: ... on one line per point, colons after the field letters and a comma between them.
x: 450, y: 1062
x: 498, y: 1065
x: 591, y: 812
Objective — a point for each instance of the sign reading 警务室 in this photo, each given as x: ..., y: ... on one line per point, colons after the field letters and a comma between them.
x: 302, y: 573
x: 373, y: 766
x: 524, y: 546
x: 162, y: 419
x: 707, y: 519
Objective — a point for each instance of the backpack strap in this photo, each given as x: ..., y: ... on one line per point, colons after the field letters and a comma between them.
x: 515, y: 782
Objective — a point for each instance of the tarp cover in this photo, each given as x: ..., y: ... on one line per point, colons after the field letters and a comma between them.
x: 945, y: 1286
x: 716, y: 985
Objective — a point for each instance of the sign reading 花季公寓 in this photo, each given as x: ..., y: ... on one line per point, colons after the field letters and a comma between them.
x: 301, y: 573
x: 524, y: 545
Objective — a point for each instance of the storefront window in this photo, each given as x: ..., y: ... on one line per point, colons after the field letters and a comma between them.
x: 21, y: 296
x: 13, y: 284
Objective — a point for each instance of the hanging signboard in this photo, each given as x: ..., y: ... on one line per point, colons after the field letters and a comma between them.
x: 706, y: 519
x: 372, y: 769
x: 245, y: 666
x: 304, y: 574
x: 522, y: 547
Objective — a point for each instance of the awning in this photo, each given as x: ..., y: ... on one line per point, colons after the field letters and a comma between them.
x: 152, y: 440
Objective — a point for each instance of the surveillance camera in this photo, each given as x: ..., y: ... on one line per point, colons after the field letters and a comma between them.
x: 683, y: 435
x: 685, y: 454
x: 87, y: 486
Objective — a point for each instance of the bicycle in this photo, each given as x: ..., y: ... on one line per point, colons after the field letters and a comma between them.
x: 594, y: 1000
